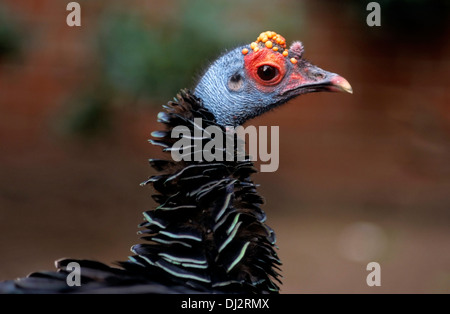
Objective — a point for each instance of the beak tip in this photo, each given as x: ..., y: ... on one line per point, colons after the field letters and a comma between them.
x: 342, y: 84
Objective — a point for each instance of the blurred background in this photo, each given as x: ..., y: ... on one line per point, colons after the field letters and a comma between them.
x: 362, y: 177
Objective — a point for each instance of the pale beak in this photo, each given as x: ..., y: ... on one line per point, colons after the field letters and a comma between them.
x: 339, y: 84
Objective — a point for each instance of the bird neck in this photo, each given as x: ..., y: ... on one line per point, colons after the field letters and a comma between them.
x: 208, y: 231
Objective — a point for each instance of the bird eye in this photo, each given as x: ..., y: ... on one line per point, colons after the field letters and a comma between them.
x: 267, y: 72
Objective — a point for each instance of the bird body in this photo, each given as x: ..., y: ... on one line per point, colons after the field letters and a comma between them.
x: 208, y: 232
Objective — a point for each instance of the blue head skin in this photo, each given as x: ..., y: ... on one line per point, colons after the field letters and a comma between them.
x: 243, y: 84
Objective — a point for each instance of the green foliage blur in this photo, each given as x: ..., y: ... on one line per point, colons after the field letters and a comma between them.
x: 152, y: 56
x: 10, y: 35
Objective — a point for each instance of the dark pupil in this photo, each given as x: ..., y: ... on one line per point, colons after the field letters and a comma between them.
x: 266, y: 72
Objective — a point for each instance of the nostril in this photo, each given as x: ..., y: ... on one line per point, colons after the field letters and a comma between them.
x: 318, y: 75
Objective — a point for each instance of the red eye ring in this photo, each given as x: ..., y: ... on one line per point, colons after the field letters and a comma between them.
x: 266, y: 67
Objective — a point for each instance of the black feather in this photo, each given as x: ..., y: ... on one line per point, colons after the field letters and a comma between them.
x: 206, y: 236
